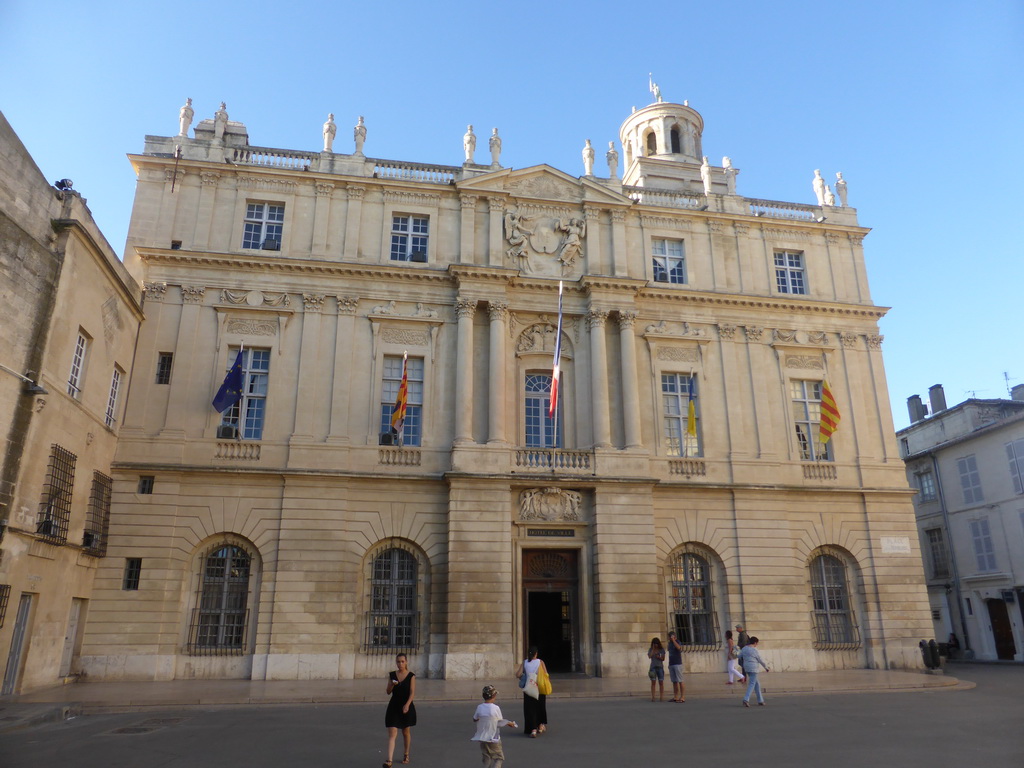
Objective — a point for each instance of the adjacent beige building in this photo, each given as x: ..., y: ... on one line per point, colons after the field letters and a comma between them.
x: 967, y: 464
x: 294, y: 537
x: 70, y: 318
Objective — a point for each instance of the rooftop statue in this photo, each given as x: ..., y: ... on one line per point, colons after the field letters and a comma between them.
x: 613, y: 161
x: 469, y: 143
x: 185, y: 117
x: 588, y: 159
x: 330, y: 131
x: 705, y: 175
x: 830, y: 199
x: 220, y: 121
x: 653, y: 86
x: 730, y: 175
x: 494, y: 144
x: 841, y: 189
x: 359, y: 133
x: 819, y: 187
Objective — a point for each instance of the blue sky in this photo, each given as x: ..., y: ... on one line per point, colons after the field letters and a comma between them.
x: 919, y: 104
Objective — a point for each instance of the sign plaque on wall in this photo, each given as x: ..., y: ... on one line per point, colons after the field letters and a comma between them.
x: 552, y: 532
x: 895, y: 545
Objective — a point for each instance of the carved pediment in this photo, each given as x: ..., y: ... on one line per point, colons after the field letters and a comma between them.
x: 542, y: 182
x: 550, y: 505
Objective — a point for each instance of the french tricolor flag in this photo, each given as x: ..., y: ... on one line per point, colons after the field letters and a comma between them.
x: 555, y: 368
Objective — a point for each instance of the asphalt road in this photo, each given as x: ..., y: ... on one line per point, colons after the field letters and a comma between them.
x: 979, y: 728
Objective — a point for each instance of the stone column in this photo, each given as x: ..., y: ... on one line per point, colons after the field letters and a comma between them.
x: 305, y: 395
x: 619, y: 266
x: 630, y: 385
x: 467, y: 230
x: 204, y: 217
x: 498, y: 311
x: 321, y: 215
x: 495, y: 235
x: 465, y: 309
x: 342, y: 367
x: 352, y: 217
x: 599, y: 377
x: 593, y: 216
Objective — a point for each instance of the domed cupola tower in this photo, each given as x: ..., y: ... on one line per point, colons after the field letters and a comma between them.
x: 662, y: 146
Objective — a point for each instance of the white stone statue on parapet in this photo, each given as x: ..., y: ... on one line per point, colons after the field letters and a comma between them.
x: 819, y: 187
x: 841, y: 189
x: 653, y: 86
x: 705, y: 175
x: 830, y: 199
x: 469, y: 143
x: 730, y: 175
x: 220, y: 122
x: 613, y: 161
x: 185, y: 117
x: 588, y: 159
x: 494, y: 144
x: 330, y: 131
x: 359, y: 134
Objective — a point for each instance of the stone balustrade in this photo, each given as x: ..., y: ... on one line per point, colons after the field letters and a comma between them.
x: 665, y: 198
x: 276, y: 158
x: 399, y: 457
x: 687, y: 467
x: 554, y: 460
x: 238, y: 449
x: 421, y: 172
x: 774, y: 209
x: 820, y: 470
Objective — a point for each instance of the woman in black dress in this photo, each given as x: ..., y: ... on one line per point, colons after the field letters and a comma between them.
x: 401, y: 712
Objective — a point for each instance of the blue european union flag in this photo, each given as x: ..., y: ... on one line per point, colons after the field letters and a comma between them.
x: 230, y: 391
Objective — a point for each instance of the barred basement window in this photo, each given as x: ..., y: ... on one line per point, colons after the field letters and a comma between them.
x: 164, y: 364
x: 55, y: 505
x: 393, y: 619
x: 146, y: 484
x: 132, y: 573
x: 97, y: 519
x: 693, y: 608
x: 221, y: 615
x: 834, y: 625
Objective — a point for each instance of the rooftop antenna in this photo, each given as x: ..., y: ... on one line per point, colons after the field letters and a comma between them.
x: 1007, y: 379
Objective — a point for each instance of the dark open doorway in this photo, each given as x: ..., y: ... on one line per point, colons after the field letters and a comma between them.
x: 1002, y: 633
x: 550, y: 583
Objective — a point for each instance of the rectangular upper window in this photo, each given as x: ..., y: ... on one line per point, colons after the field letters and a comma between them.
x: 970, y: 479
x: 938, y: 552
x: 409, y: 236
x: 984, y: 551
x: 789, y: 272
x: 115, y: 387
x: 806, y: 406
x: 164, y: 364
x: 926, y: 484
x: 132, y: 573
x: 681, y: 435
x: 247, y: 416
x: 541, y: 429
x: 77, y: 372
x: 412, y: 428
x: 667, y: 261
x: 264, y: 226
x: 1015, y: 454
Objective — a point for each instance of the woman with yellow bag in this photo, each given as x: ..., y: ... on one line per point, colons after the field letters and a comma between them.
x: 536, y: 684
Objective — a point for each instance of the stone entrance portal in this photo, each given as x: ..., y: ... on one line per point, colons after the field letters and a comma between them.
x: 551, y: 598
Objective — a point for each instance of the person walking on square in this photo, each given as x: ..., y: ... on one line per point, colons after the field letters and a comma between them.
x: 732, y: 657
x: 656, y: 653
x: 401, y: 713
x: 751, y: 659
x: 675, y: 668
x: 535, y: 710
x: 742, y: 638
x: 489, y: 721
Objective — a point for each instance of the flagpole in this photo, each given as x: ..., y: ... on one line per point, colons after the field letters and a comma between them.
x: 556, y: 373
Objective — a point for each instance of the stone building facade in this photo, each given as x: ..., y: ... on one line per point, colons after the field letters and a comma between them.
x: 71, y: 313
x: 967, y: 464
x: 297, y: 536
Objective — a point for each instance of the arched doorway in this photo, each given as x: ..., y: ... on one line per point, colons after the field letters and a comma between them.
x: 551, y: 607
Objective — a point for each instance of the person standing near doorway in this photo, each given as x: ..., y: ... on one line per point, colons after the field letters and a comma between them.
x: 535, y: 710
x: 675, y: 668
x: 656, y: 653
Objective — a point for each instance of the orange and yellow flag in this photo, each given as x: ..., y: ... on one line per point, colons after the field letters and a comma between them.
x: 829, y: 413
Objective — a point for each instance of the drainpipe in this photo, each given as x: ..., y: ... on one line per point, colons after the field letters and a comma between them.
x: 952, y: 552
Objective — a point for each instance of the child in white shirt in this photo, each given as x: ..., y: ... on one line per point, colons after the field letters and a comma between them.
x: 488, y: 720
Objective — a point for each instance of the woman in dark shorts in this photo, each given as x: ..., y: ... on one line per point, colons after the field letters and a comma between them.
x: 401, y: 714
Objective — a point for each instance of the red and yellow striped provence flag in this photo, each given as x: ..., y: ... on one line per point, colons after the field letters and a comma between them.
x: 829, y: 413
x: 398, y: 414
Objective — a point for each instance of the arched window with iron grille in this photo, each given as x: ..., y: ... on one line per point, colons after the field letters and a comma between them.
x: 394, y: 618
x: 221, y: 616
x: 835, y: 627
x: 692, y: 601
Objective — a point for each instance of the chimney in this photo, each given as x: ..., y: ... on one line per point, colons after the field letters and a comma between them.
x: 937, y: 397
x: 915, y: 408
x: 1017, y: 393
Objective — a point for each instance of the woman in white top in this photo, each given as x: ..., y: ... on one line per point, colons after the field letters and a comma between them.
x: 535, y: 712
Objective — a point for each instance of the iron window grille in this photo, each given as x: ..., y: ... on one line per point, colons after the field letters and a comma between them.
x: 132, y: 574
x: 164, y: 364
x: 693, y: 609
x: 55, y: 505
x: 392, y: 623
x: 835, y: 627
x: 97, y: 519
x: 146, y: 483
x: 5, y: 596
x: 220, y: 619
